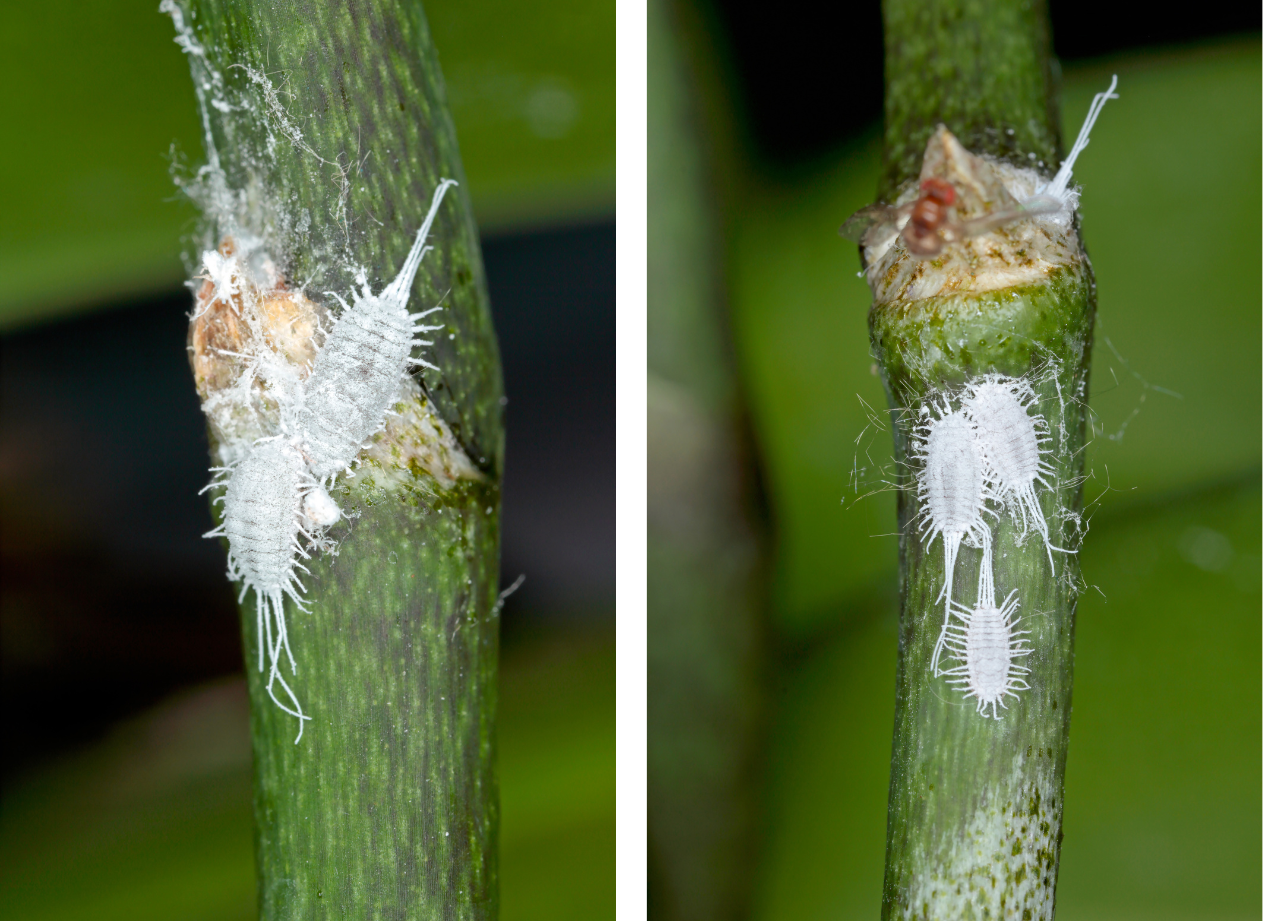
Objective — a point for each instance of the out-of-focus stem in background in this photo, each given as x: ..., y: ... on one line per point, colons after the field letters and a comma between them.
x: 707, y: 543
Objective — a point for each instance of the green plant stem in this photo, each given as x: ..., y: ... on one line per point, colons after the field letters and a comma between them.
x: 388, y: 806
x: 706, y: 547
x: 982, y: 67
x: 976, y: 804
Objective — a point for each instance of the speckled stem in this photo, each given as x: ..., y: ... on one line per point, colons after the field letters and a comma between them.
x: 975, y: 805
x: 388, y: 806
x: 981, y: 67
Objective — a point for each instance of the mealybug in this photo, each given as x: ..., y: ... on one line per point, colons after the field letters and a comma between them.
x: 1014, y: 445
x: 953, y: 493
x: 987, y: 644
x: 263, y: 517
x: 357, y: 373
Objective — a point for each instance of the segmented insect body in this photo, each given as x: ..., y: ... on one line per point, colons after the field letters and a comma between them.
x: 263, y: 518
x: 1014, y: 445
x: 986, y: 644
x: 953, y: 493
x: 357, y: 373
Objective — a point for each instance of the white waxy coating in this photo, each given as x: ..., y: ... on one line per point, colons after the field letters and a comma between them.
x: 262, y: 509
x: 987, y: 644
x: 951, y: 485
x: 354, y: 382
x: 261, y: 515
x: 320, y: 510
x: 357, y: 373
x: 1013, y: 444
x: 953, y: 493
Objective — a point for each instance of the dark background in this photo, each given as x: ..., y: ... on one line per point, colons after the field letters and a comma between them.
x: 112, y: 599
x: 805, y: 89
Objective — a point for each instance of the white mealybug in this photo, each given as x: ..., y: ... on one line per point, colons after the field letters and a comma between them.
x: 987, y: 644
x: 357, y: 373
x: 953, y: 492
x: 263, y: 517
x: 1014, y: 445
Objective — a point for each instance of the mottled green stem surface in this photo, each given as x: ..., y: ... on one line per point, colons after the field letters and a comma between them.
x: 982, y: 67
x: 976, y: 804
x: 388, y: 806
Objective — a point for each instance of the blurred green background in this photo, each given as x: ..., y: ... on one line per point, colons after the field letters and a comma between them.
x: 101, y: 93
x: 154, y: 822
x: 151, y: 818
x: 1163, y: 808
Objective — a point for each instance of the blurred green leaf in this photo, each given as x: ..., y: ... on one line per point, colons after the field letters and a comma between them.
x: 557, y: 755
x: 154, y: 823
x: 99, y: 92
x: 1172, y: 186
